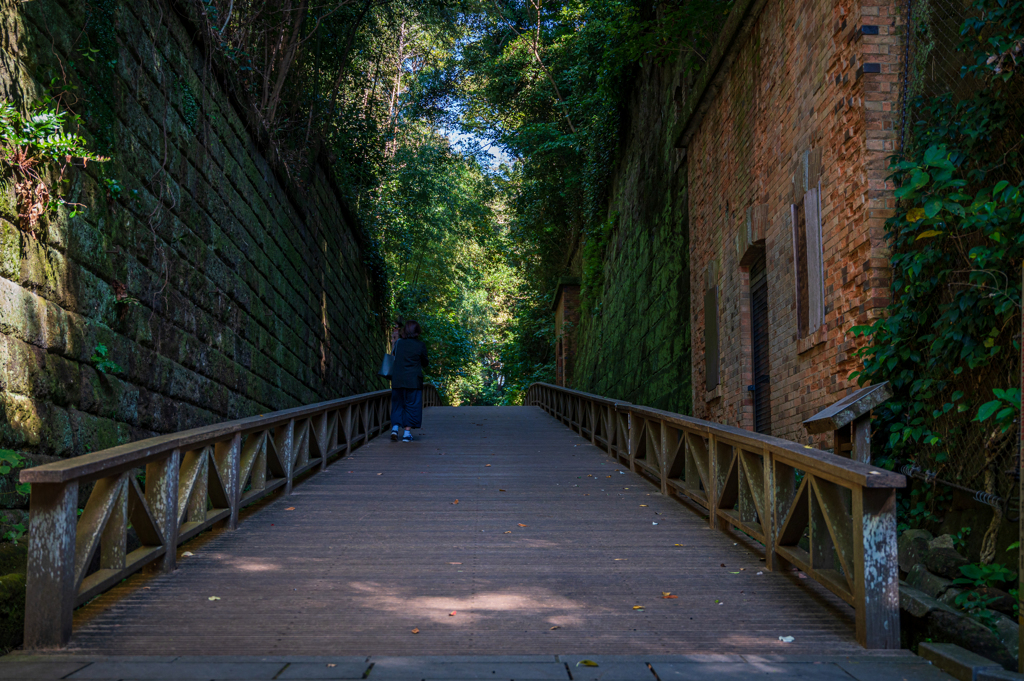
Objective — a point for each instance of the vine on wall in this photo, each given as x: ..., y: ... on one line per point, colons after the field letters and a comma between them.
x: 950, y: 342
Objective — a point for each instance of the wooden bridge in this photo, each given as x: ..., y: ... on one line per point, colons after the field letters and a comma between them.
x: 573, y: 524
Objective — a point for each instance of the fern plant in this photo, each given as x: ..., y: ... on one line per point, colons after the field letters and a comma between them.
x: 28, y: 143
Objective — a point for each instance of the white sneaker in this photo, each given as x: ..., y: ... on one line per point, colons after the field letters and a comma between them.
x: 407, y: 437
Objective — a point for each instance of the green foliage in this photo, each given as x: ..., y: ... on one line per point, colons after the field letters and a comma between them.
x: 960, y: 539
x: 189, y: 104
x: 593, y: 262
x: 10, y: 461
x: 548, y: 83
x: 977, y: 575
x: 103, y: 364
x: 916, y: 509
x: 957, y: 246
x: 29, y: 141
x: 1005, y: 408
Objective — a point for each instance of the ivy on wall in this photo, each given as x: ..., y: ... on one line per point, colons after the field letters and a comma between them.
x: 949, y: 343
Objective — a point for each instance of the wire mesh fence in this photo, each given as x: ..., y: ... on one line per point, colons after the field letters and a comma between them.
x: 977, y: 459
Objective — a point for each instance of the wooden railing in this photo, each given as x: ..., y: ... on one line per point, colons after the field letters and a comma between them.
x: 169, y: 489
x: 829, y: 516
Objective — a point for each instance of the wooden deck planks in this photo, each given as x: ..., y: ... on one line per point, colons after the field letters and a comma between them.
x: 370, y: 552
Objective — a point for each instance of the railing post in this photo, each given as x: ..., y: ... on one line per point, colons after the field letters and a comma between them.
x: 876, y: 589
x: 634, y: 441
x: 228, y: 460
x: 663, y: 458
x: 591, y: 409
x: 284, y: 443
x: 713, y: 479
x: 162, y: 499
x: 50, y: 580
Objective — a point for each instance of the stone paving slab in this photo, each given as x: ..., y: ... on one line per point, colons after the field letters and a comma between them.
x: 183, y: 671
x: 873, y: 670
x: 353, y: 669
x: 17, y: 671
x: 403, y: 669
x: 895, y: 667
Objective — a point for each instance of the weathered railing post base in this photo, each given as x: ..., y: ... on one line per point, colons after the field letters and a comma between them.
x: 50, y: 581
x: 877, y: 587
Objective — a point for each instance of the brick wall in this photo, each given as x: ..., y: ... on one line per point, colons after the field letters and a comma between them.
x: 797, y: 82
x: 222, y: 287
x: 633, y: 342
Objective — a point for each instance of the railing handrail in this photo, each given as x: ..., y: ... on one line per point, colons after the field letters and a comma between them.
x: 832, y: 517
x: 863, y: 474
x: 133, y: 454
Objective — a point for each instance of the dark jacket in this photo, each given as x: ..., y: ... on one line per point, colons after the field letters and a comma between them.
x: 410, y: 358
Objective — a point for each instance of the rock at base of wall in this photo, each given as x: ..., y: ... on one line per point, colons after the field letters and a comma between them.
x: 13, y: 558
x: 943, y: 559
x: 12, y: 610
x: 919, y: 578
x: 954, y: 627
x: 912, y: 546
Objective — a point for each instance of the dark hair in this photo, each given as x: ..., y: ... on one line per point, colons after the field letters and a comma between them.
x: 412, y: 330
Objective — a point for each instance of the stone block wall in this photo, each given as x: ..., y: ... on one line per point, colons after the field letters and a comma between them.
x: 634, y: 341
x: 222, y: 282
x: 807, y: 77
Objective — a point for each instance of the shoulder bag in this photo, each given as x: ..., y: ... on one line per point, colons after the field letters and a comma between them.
x: 388, y: 363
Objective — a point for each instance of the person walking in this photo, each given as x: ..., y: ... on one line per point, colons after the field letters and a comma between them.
x: 407, y: 382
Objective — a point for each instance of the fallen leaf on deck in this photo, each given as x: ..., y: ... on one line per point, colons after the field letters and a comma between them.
x: 331, y: 664
x: 622, y: 559
x: 668, y: 594
x: 415, y: 631
x: 380, y: 474
x: 455, y: 563
x: 654, y: 523
x: 680, y: 544
x: 508, y: 531
x: 587, y: 663
x: 787, y: 639
x: 186, y: 554
x: 733, y: 573
x: 455, y: 502
x: 290, y: 508
x: 721, y: 565
x: 643, y: 505
x: 553, y: 628
x: 760, y: 573
x: 213, y: 598
x: 521, y: 525
x: 452, y: 613
x: 501, y: 490
x: 638, y: 607
x: 487, y: 465
x: 801, y: 575
x: 607, y: 476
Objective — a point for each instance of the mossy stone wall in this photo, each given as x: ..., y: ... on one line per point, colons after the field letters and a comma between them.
x: 634, y: 336
x: 224, y: 282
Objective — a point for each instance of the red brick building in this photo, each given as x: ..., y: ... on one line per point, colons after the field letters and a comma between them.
x: 787, y: 139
